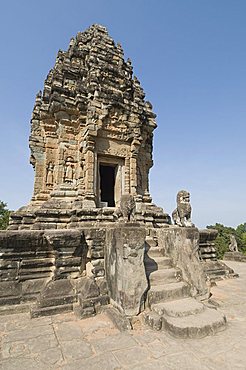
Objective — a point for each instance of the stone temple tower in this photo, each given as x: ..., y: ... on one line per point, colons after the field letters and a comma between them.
x: 91, y: 235
x: 91, y: 137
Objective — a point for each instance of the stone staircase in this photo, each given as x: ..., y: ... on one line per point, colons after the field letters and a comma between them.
x: 170, y: 305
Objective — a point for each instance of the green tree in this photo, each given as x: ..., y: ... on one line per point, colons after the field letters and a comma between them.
x: 241, y: 234
x: 223, y: 238
x: 4, y: 216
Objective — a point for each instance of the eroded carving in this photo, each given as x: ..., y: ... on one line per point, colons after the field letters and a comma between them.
x: 233, y: 244
x: 182, y: 214
x: 50, y: 175
x: 91, y: 108
x: 69, y: 170
x: 127, y: 208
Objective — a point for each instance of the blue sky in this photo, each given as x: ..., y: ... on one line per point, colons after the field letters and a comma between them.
x: 190, y: 57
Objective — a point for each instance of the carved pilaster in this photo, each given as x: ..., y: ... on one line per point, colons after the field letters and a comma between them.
x: 89, y: 173
x: 127, y: 175
x: 133, y: 166
x: 39, y: 178
x: 146, y: 195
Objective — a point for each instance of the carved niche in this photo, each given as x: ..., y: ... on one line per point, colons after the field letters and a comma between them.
x: 69, y: 170
x: 50, y: 174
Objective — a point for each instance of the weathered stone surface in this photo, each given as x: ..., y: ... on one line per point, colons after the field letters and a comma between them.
x: 213, y: 268
x: 70, y: 251
x: 182, y: 214
x: 233, y: 244
x: 223, y: 350
x: 14, y: 308
x: 179, y: 308
x: 182, y: 244
x: 10, y: 288
x: 169, y: 298
x: 87, y: 288
x: 102, y: 285
x: 34, y: 258
x: 37, y: 311
x: 127, y: 208
x: 200, y: 325
x: 91, y: 149
x: 57, y: 288
x: 207, y: 250
x: 235, y: 256
x: 124, y: 266
x: 76, y: 349
x: 91, y: 139
x: 31, y: 288
x: 57, y: 296
x: 120, y: 320
x: 167, y: 292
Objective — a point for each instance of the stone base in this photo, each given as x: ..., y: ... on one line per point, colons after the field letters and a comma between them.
x: 214, y: 269
x: 217, y: 270
x: 235, y: 256
x: 186, y: 318
x: 56, y: 214
x: 45, y: 270
x: 182, y: 244
x: 124, y: 267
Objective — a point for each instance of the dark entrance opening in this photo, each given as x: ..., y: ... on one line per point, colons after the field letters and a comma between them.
x: 107, y: 181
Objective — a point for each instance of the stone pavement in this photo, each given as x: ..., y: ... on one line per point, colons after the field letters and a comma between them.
x: 64, y: 342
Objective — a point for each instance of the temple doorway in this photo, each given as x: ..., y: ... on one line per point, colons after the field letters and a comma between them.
x: 110, y: 180
x: 107, y: 184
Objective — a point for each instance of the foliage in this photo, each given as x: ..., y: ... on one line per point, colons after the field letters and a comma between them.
x: 4, y: 216
x: 241, y: 234
x: 223, y: 238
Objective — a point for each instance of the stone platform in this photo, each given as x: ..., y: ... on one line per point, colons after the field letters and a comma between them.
x: 212, y: 266
x: 64, y: 342
x: 235, y: 256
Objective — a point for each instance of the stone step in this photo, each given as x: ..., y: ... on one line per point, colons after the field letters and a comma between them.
x: 53, y: 310
x: 56, y: 301
x: 155, y: 252
x: 167, y: 292
x: 151, y: 243
x: 157, y: 263
x: 153, y: 320
x: 164, y: 276
x: 14, y: 308
x: 205, y: 323
x: 209, y: 255
x: 179, y: 308
x: 8, y: 300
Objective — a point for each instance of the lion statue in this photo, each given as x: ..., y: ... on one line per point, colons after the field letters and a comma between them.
x: 182, y: 214
x: 126, y: 209
x: 233, y: 244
